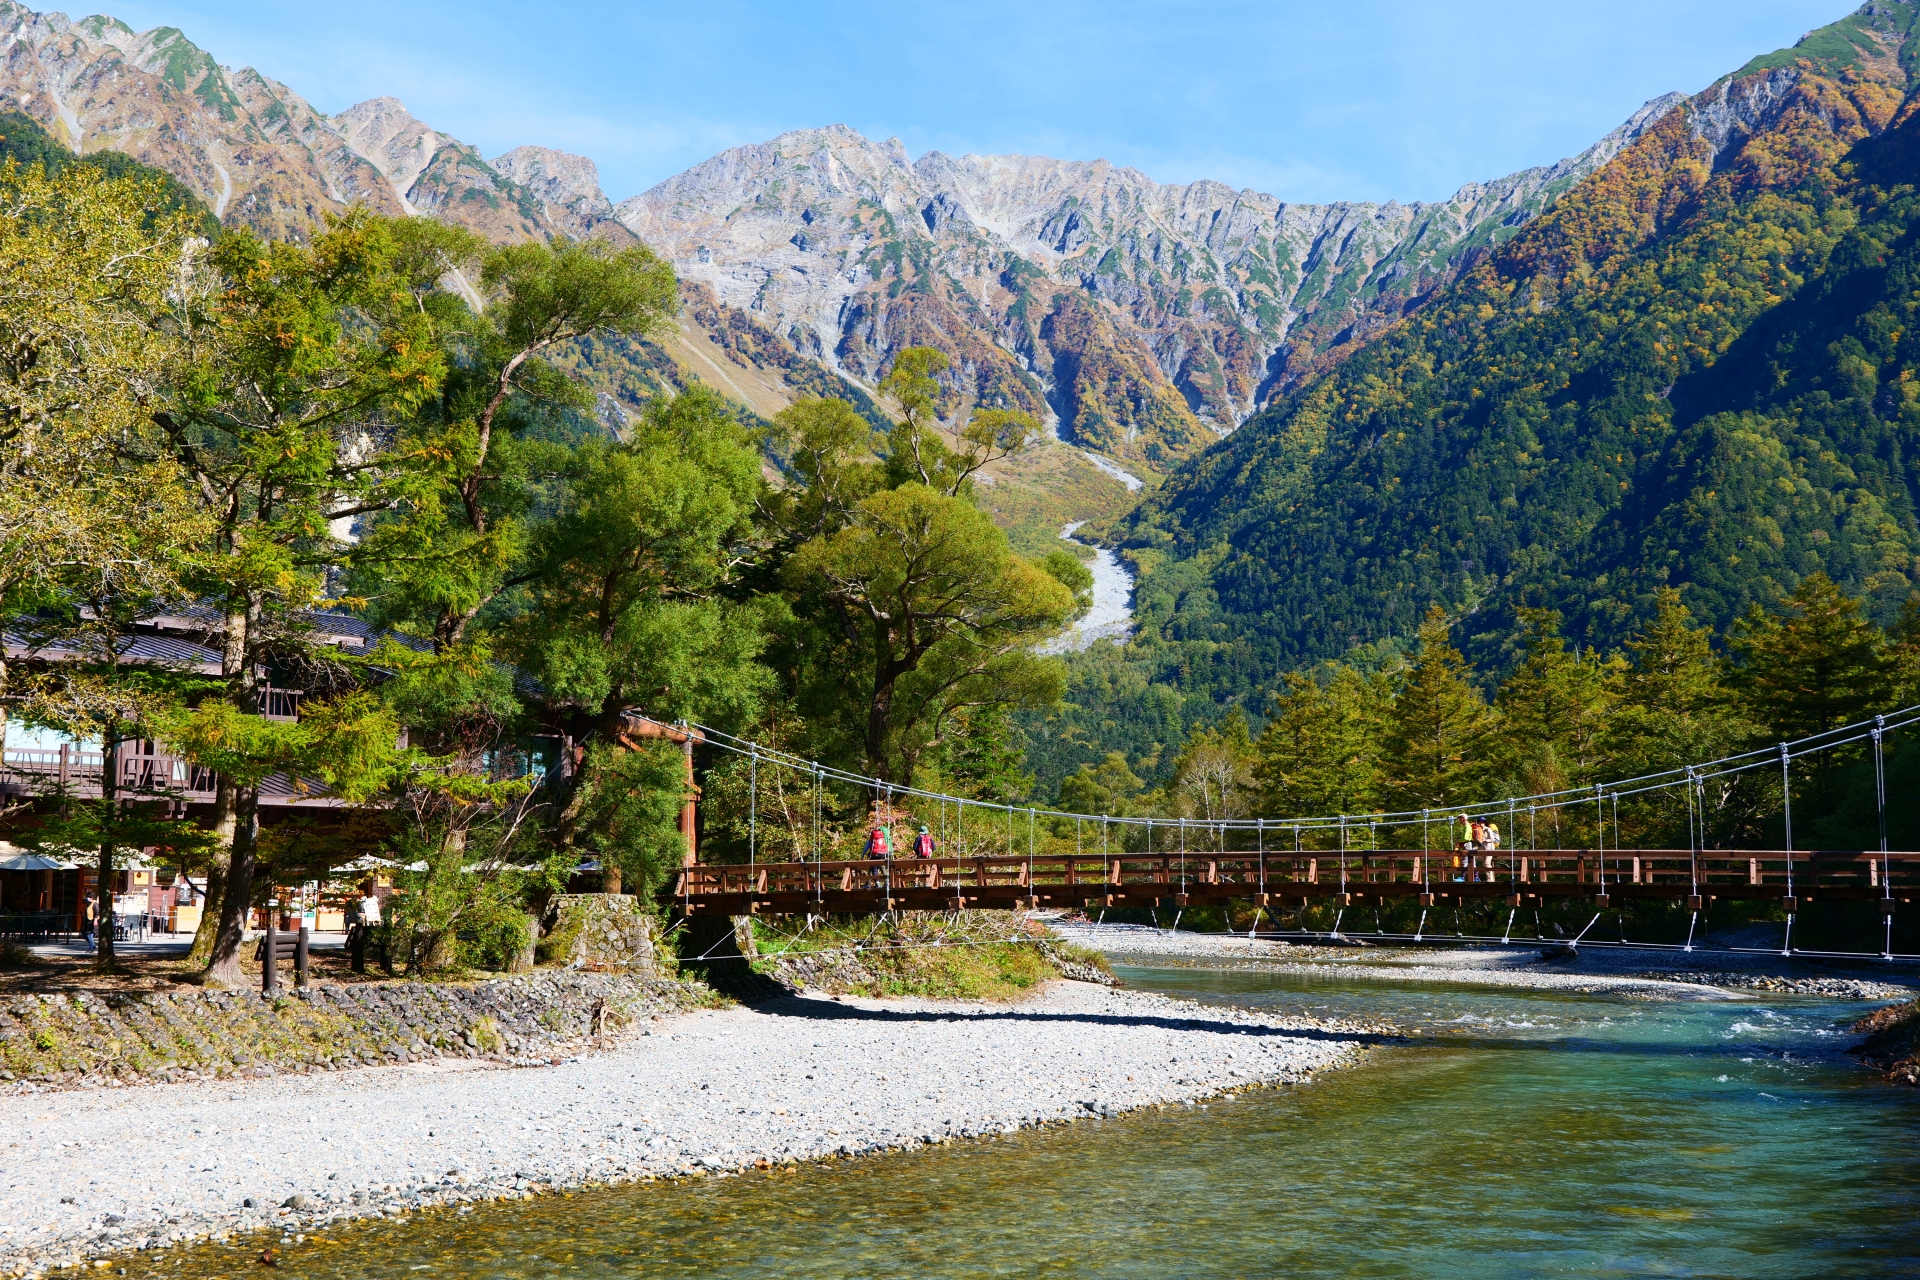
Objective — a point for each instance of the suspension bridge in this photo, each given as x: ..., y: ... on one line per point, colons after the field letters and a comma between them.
x: 1002, y: 856
x: 1430, y: 877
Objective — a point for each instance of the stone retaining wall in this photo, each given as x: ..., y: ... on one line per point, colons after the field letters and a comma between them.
x: 95, y: 1041
x: 599, y: 931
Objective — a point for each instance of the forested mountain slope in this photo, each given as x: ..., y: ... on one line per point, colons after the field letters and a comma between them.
x: 1699, y: 368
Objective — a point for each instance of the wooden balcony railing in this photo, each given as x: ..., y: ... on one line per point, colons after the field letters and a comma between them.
x: 71, y: 770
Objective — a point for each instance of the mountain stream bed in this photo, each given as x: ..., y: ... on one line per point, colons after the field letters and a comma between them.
x: 1519, y: 1133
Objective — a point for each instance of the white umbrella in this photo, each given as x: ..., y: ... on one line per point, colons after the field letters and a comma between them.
x: 19, y: 861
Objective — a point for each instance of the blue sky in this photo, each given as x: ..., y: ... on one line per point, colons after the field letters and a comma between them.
x: 1324, y: 100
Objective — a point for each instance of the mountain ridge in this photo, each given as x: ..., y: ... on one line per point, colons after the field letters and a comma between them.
x: 1143, y: 319
x: 1206, y: 300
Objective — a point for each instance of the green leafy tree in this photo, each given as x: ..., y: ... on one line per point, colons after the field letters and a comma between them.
x: 1903, y: 654
x: 1110, y: 787
x: 1554, y: 711
x: 916, y: 453
x: 348, y: 747
x: 477, y: 462
x: 1214, y: 774
x: 1816, y: 664
x: 978, y: 752
x: 1670, y: 708
x: 628, y: 611
x: 93, y: 534
x: 828, y: 452
x: 1672, y: 670
x: 292, y: 358
x: 85, y: 288
x: 628, y: 805
x: 937, y: 610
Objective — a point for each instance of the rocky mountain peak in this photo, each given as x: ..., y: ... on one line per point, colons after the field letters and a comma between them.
x: 568, y: 185
x: 392, y: 141
x: 559, y: 176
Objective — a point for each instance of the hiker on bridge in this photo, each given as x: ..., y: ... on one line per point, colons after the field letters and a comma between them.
x: 923, y: 844
x: 879, y: 845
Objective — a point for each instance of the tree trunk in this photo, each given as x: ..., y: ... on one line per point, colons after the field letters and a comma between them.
x: 880, y: 718
x: 224, y: 969
x: 610, y: 879
x: 109, y: 815
x: 211, y: 906
x: 236, y: 668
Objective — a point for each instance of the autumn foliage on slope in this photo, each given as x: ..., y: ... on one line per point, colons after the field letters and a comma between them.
x: 1693, y: 372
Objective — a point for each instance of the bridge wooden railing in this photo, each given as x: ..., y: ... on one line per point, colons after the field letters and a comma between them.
x: 1135, y: 879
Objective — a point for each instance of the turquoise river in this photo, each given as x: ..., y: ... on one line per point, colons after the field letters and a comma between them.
x: 1526, y: 1133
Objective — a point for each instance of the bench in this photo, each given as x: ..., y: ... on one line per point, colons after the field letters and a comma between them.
x: 277, y: 947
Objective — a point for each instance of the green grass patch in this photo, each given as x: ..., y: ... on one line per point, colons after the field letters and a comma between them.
x: 978, y: 955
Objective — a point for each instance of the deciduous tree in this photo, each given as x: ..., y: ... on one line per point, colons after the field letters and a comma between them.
x: 939, y: 611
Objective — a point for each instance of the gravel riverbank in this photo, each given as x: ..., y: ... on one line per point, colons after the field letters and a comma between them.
x: 795, y: 1079
x: 1701, y: 974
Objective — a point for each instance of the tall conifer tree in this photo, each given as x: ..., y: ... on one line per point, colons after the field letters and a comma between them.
x: 1815, y: 665
x: 1440, y: 728
x: 1320, y: 752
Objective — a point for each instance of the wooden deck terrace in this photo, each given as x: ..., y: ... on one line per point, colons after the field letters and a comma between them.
x: 1520, y: 877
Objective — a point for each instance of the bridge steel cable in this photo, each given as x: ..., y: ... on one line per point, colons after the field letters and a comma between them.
x: 1679, y: 776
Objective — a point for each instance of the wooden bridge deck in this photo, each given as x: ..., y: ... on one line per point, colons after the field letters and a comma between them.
x: 1172, y: 879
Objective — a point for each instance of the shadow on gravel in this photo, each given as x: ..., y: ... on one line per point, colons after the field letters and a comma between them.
x: 823, y: 1010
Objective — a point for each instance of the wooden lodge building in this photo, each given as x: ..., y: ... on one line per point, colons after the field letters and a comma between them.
x: 37, y: 767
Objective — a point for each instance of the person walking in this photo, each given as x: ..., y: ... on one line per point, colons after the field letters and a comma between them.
x: 369, y: 906
x: 89, y: 923
x: 879, y: 847
x: 923, y: 844
x: 363, y: 913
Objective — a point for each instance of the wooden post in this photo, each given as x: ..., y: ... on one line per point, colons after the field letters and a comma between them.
x: 690, y: 811
x: 269, y: 977
x: 300, y: 956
